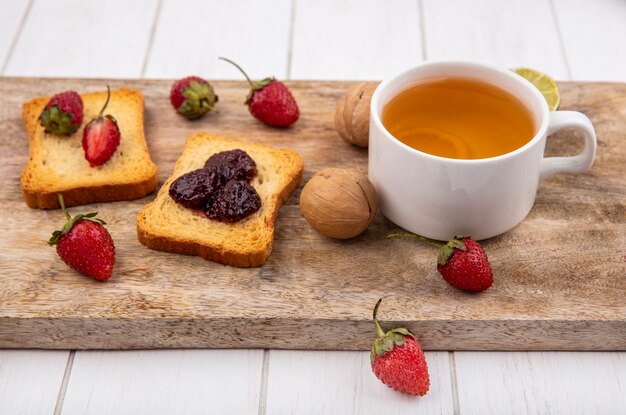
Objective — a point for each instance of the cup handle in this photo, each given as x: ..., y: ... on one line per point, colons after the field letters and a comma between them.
x: 575, y: 164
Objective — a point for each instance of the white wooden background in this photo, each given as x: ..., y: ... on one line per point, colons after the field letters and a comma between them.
x: 306, y: 39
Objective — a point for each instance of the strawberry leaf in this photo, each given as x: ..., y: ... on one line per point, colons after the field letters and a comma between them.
x: 386, y: 341
x: 403, y: 332
x: 389, y: 341
x: 55, y: 121
x: 255, y: 86
x: 199, y: 99
x: 448, y: 249
x: 455, y: 243
x: 55, y: 237
x: 444, y: 254
x: 71, y: 221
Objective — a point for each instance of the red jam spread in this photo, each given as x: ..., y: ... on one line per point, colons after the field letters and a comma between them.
x: 221, y: 189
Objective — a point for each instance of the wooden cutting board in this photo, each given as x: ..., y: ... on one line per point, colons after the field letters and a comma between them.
x: 560, y: 276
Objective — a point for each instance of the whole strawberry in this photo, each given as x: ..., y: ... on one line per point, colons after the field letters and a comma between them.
x: 85, y: 245
x: 63, y: 114
x: 462, y: 262
x: 192, y: 97
x: 101, y: 137
x: 398, y: 360
x: 270, y: 101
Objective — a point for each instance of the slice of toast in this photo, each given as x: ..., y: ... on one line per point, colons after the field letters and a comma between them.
x: 57, y: 163
x: 165, y: 225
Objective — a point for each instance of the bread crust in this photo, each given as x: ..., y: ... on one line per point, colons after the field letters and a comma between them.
x: 90, y: 194
x: 246, y: 257
x: 40, y: 196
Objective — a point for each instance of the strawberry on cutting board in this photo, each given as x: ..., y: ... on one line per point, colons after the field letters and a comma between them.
x: 398, y: 360
x: 85, y: 245
x: 270, y: 101
x: 63, y: 114
x: 101, y: 137
x: 192, y: 97
x: 462, y: 262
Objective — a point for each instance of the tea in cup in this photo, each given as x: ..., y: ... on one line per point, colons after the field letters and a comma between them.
x: 458, y: 148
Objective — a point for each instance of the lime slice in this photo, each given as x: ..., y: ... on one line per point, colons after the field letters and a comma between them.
x: 544, y: 84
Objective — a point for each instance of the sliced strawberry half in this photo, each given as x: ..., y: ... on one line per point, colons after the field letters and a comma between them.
x: 101, y: 137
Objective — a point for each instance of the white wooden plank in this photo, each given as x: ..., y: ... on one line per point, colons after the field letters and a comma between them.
x: 30, y: 380
x: 541, y: 382
x: 505, y: 33
x: 594, y: 37
x: 319, y: 382
x: 164, y: 382
x: 118, y: 378
x: 355, y: 39
x: 190, y: 36
x: 10, y: 20
x: 88, y: 38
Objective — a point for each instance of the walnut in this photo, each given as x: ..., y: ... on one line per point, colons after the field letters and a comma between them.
x: 352, y: 116
x: 339, y: 203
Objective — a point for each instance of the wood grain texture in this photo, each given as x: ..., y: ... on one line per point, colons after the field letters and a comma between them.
x: 165, y: 382
x: 508, y: 34
x: 189, y: 38
x: 559, y: 282
x: 541, y: 383
x: 329, y: 383
x: 593, y: 37
x: 88, y: 38
x: 30, y: 380
x: 355, y: 39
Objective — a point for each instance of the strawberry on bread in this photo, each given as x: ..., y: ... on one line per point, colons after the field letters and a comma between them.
x: 101, y: 137
x: 63, y: 114
x: 63, y: 164
x: 229, y: 229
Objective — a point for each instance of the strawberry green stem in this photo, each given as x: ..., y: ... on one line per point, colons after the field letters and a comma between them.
x: 71, y: 221
x: 106, y: 102
x: 240, y: 69
x: 379, y: 330
x: 414, y: 236
x: 67, y: 214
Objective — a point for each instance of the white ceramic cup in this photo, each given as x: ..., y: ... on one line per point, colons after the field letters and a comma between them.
x: 439, y: 197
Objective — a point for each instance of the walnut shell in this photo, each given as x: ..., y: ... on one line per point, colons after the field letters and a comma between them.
x: 339, y: 203
x: 352, y: 116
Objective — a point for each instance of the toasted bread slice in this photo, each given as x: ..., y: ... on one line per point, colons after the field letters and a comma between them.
x: 57, y: 163
x: 165, y: 225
